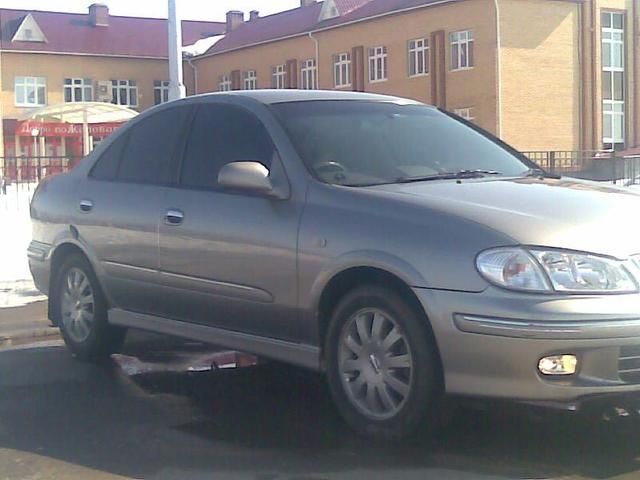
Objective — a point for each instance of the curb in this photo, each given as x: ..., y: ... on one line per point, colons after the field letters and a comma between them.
x: 19, y: 337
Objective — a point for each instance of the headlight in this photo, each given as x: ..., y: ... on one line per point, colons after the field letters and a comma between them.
x: 540, y: 270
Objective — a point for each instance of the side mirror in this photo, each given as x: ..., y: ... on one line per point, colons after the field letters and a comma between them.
x: 247, y: 176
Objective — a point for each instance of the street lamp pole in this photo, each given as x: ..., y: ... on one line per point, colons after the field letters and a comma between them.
x: 176, y: 87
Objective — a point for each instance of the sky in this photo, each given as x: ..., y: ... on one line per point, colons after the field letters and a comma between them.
x: 188, y: 9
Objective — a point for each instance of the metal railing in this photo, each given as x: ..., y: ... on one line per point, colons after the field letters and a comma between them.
x: 599, y: 166
x: 33, y: 169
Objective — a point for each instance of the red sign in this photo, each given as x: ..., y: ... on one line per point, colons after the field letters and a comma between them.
x: 51, y: 129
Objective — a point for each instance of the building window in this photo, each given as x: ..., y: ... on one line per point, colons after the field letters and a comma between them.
x: 342, y: 70
x: 461, y: 50
x: 279, y: 76
x: 124, y: 92
x: 377, y: 64
x: 418, y: 57
x: 250, y: 80
x: 224, y: 83
x: 160, y: 91
x: 613, y: 80
x: 308, y: 74
x: 30, y: 91
x: 466, y: 113
x: 78, y: 90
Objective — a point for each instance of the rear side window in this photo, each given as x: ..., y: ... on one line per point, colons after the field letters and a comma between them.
x: 106, y: 168
x: 152, y: 146
x: 221, y: 134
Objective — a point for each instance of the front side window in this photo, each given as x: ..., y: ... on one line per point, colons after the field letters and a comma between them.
x: 250, y: 80
x: 279, y: 76
x: 367, y: 143
x: 221, y: 134
x: 160, y: 91
x: 78, y: 90
x: 418, y: 60
x: 342, y: 70
x: 30, y: 91
x: 151, y: 147
x: 377, y: 64
x: 308, y: 74
x: 106, y: 168
x: 224, y: 83
x: 124, y: 92
x: 613, y: 80
x: 462, y: 56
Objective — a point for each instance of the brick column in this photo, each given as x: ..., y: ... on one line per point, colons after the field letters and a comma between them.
x: 292, y: 73
x: 236, y: 80
x: 357, y: 69
x: 439, y: 69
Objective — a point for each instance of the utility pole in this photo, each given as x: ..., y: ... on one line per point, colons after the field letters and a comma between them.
x: 176, y: 87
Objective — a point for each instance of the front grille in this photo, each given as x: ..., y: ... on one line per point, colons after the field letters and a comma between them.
x: 629, y: 364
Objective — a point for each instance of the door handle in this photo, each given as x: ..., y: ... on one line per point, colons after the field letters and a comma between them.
x: 173, y: 217
x: 86, y: 206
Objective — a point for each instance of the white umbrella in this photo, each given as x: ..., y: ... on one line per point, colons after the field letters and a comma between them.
x: 84, y: 113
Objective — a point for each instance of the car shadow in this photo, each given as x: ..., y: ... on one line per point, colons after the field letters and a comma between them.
x: 272, y: 421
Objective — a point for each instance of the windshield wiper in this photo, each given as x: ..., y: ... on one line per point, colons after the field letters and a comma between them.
x: 460, y: 174
x: 539, y: 172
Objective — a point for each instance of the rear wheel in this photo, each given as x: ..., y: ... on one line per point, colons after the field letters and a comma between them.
x: 83, y: 312
x: 381, y: 364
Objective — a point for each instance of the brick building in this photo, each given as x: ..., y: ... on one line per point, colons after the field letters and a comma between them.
x: 50, y: 57
x: 543, y: 74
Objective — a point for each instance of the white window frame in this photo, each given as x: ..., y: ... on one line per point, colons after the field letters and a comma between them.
x: 466, y: 112
x: 35, y: 85
x: 308, y: 74
x: 418, y: 49
x: 250, y: 80
x: 71, y: 85
x: 464, y: 42
x: 130, y: 96
x: 161, y: 87
x: 224, y: 83
x: 279, y: 76
x: 613, y: 39
x: 342, y: 70
x: 378, y: 67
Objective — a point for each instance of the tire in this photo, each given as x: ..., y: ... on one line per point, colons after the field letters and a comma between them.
x: 82, y: 311
x: 386, y: 386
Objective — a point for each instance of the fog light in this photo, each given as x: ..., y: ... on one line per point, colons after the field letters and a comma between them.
x: 558, y: 365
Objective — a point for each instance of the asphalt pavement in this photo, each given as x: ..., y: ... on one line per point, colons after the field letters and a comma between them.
x: 157, y: 412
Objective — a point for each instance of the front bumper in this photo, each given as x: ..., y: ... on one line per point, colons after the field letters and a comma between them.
x: 490, y: 343
x: 39, y: 255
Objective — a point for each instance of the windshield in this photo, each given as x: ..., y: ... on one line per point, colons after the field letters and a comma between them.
x: 365, y: 143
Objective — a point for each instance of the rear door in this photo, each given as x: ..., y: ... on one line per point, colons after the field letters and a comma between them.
x: 121, y: 205
x: 230, y: 259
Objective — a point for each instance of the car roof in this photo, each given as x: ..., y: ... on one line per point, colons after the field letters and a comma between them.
x: 271, y: 97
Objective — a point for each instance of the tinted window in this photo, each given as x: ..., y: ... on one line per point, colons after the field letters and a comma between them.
x: 152, y: 146
x: 222, y: 134
x: 106, y: 167
x: 360, y: 142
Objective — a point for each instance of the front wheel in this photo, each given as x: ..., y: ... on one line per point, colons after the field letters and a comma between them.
x: 381, y: 364
x: 83, y: 312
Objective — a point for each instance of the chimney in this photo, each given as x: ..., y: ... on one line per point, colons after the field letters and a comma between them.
x: 99, y: 15
x: 235, y: 18
x: 306, y: 3
x: 253, y: 15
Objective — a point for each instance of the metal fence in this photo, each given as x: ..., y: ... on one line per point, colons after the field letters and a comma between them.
x: 33, y: 169
x: 599, y: 166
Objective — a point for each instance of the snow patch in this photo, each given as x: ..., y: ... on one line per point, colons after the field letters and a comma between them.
x: 201, y: 46
x: 16, y: 284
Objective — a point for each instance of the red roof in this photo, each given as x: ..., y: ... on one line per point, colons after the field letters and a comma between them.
x: 305, y: 19
x: 125, y: 36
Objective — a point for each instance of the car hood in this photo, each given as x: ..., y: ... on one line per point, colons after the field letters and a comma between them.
x: 560, y: 213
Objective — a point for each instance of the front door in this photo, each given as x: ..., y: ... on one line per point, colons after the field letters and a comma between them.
x: 228, y: 259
